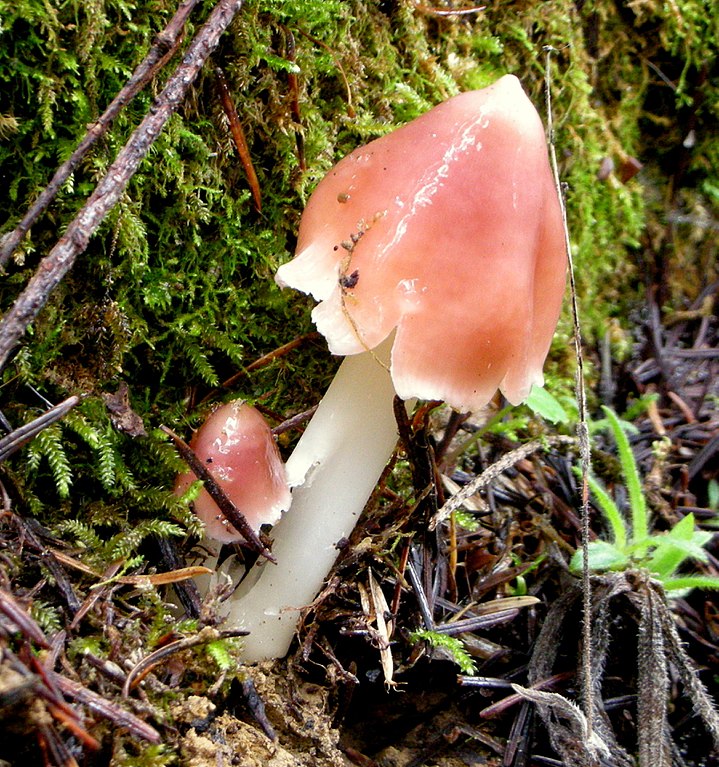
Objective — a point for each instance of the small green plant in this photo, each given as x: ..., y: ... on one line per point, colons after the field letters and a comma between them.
x: 452, y: 645
x: 631, y: 544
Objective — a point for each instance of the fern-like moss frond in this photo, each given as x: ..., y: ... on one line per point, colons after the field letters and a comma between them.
x: 48, y: 445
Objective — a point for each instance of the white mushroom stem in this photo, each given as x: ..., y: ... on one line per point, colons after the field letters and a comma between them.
x: 338, y: 461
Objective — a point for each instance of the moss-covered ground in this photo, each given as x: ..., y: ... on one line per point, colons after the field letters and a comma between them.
x: 174, y: 297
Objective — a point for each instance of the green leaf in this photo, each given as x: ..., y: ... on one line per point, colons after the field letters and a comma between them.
x: 678, y: 544
x: 683, y: 530
x: 637, y: 502
x: 690, y: 582
x: 609, y: 509
x: 546, y: 405
x: 713, y: 494
x: 602, y: 556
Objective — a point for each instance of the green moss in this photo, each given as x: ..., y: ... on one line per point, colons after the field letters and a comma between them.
x: 147, y: 756
x: 175, y: 292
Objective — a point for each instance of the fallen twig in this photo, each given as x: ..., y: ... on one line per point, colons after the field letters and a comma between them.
x: 145, y: 666
x: 17, y: 438
x: 238, y: 136
x: 166, y: 44
x: 265, y: 359
x: 225, y: 505
x: 492, y: 472
x: 61, y: 258
x: 31, y: 535
x: 106, y: 708
x: 21, y: 619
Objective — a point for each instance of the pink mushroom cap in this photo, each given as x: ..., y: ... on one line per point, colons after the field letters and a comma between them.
x: 449, y: 230
x: 238, y: 448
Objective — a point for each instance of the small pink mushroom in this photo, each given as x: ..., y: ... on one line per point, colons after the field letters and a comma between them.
x: 437, y: 254
x: 236, y: 445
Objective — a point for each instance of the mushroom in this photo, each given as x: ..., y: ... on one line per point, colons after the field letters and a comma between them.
x: 236, y: 445
x: 437, y: 255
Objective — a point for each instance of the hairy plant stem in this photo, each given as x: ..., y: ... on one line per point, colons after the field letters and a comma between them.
x: 582, y: 428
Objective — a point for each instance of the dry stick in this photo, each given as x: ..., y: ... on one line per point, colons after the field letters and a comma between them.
x: 238, y: 136
x: 105, y: 708
x: 582, y: 428
x: 492, y: 472
x: 20, y: 436
x: 145, y: 666
x: 166, y: 44
x: 260, y: 362
x: 225, y: 504
x: 293, y: 82
x: 59, y: 261
x: 24, y: 623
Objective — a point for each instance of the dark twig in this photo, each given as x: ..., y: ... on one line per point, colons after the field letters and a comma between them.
x: 145, y: 666
x: 65, y: 715
x: 450, y: 432
x: 106, y: 708
x: 17, y: 438
x: 61, y: 258
x: 31, y: 532
x: 492, y: 472
x: 257, y: 707
x: 293, y: 82
x: 187, y: 591
x: 166, y: 43
x: 295, y: 421
x: 512, y: 700
x: 422, y: 602
x: 218, y: 495
x: 21, y: 619
x: 702, y: 458
x: 519, y: 739
x: 469, y: 625
x: 484, y: 682
x: 97, y: 593
x: 53, y: 749
x: 238, y: 136
x: 696, y: 354
x: 264, y: 360
x: 44, y: 686
x: 655, y: 338
x: 52, y: 686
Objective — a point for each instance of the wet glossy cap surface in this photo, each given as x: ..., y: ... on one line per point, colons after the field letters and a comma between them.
x: 449, y: 230
x: 237, y: 446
